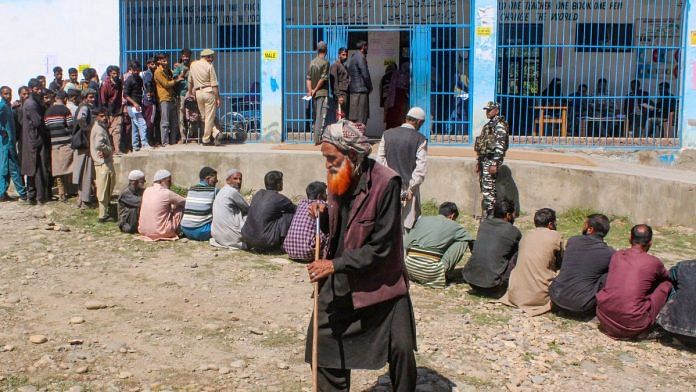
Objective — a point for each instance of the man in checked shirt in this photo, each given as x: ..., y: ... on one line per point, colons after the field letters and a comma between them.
x: 301, y: 239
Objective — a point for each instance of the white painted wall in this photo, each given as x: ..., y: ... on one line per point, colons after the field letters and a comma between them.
x: 39, y: 34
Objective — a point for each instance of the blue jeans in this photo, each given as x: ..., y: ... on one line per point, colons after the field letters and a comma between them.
x: 17, y: 179
x: 197, y: 234
x: 139, y: 129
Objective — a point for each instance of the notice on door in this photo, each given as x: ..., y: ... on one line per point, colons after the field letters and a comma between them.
x: 692, y: 38
x: 484, y: 31
x: 270, y: 55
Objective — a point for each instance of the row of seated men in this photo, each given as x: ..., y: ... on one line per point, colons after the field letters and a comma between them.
x: 537, y: 272
x: 627, y: 290
x: 270, y: 223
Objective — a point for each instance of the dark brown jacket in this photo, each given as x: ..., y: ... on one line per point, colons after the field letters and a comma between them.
x: 382, y: 278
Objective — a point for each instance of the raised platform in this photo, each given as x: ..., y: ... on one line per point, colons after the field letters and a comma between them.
x: 561, y: 181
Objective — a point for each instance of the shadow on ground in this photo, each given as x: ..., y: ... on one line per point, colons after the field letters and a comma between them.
x: 428, y: 379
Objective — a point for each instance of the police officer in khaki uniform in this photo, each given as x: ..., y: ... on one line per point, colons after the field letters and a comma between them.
x: 203, y: 86
x: 490, y: 148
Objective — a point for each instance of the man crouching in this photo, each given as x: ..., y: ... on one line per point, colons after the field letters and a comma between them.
x: 365, y: 313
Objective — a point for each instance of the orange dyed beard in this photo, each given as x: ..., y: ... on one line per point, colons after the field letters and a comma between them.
x: 339, y: 181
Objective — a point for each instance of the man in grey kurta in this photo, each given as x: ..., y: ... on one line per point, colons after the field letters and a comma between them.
x: 405, y: 150
x: 435, y: 246
x: 360, y: 85
x: 229, y: 213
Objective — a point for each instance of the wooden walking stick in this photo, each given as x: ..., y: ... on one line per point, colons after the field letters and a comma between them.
x: 315, y: 314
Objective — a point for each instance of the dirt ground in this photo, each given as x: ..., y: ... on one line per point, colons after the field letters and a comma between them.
x: 184, y: 316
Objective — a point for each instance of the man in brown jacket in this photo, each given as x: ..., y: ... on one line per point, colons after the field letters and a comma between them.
x: 166, y: 92
x: 365, y: 313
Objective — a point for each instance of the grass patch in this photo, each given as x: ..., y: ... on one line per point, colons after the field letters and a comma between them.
x: 12, y: 381
x: 282, y: 338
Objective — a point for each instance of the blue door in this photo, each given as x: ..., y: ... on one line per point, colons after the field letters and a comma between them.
x: 420, y: 73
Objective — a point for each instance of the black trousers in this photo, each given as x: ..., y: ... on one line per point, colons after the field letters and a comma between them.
x: 38, y: 185
x: 402, y: 364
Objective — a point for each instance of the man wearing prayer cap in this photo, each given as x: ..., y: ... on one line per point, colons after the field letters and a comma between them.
x: 229, y: 213
x: 129, y: 202
x: 365, y: 313
x: 405, y: 150
x: 161, y: 209
x: 203, y: 86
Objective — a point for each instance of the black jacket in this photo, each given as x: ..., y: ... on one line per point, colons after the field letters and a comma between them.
x: 129, y: 209
x: 268, y: 221
x: 496, y: 243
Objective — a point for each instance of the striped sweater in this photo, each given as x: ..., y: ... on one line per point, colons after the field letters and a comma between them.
x: 59, y: 122
x: 199, y: 206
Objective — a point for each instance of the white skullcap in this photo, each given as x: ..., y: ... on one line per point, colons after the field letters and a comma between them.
x: 417, y: 113
x: 135, y: 175
x: 161, y: 175
x: 231, y: 172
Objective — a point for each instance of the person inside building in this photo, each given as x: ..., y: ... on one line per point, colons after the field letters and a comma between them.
x: 198, y: 212
x: 301, y: 241
x: 102, y: 154
x: 36, y: 149
x: 603, y: 107
x: 662, y: 120
x: 637, y: 288
x: 203, y: 86
x: 497, y: 240
x: 129, y: 202
x: 317, y: 83
x: 579, y: 106
x: 9, y: 158
x: 161, y: 210
x: 538, y: 260
x: 360, y: 85
x: 229, y: 213
x: 584, y: 269
x: 59, y: 123
x: 677, y: 316
x: 435, y: 246
x: 270, y: 215
x: 405, y: 150
x: 637, y: 108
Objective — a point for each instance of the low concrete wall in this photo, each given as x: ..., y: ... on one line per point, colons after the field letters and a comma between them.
x: 643, y: 199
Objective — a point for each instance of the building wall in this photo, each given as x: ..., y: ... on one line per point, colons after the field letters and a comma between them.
x: 40, y: 34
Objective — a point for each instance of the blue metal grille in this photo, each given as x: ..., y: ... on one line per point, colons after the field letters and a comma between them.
x: 595, y: 74
x: 432, y: 42
x: 230, y: 27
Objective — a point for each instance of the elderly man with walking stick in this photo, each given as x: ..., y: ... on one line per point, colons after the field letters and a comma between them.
x: 364, y: 313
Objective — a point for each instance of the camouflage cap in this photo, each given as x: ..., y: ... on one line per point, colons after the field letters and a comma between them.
x: 491, y: 105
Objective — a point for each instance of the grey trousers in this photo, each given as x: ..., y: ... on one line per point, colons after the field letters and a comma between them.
x: 359, y: 108
x: 320, y: 108
x: 169, y: 122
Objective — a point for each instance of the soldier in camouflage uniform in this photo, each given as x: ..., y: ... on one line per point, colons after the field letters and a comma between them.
x: 490, y: 148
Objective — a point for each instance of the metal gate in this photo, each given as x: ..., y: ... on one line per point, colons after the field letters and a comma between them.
x: 591, y: 74
x: 230, y: 27
x: 429, y: 43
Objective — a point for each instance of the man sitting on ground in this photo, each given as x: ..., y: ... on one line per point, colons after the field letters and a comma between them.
x: 161, y: 210
x: 301, y: 239
x: 677, y: 316
x: 538, y: 260
x: 435, y: 246
x: 496, y: 243
x: 229, y: 213
x: 584, y: 268
x: 198, y: 213
x: 637, y: 288
x: 270, y: 215
x: 129, y: 202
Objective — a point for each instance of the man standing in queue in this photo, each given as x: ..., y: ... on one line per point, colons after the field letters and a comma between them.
x: 365, y: 313
x: 490, y: 148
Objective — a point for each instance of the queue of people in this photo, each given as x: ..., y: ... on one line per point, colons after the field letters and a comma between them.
x: 47, y: 132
